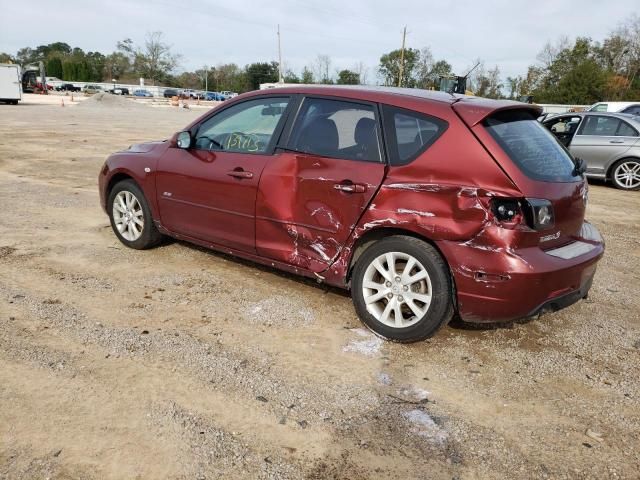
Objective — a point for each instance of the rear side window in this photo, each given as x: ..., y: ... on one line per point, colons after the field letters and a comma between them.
x: 337, y: 129
x: 626, y: 130
x: 600, y: 126
x: 410, y: 133
x: 531, y: 146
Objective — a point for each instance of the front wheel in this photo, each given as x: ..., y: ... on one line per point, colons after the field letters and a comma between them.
x: 130, y: 216
x: 401, y: 289
x: 626, y: 174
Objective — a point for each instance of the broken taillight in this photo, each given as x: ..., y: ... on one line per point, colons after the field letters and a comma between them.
x: 534, y: 213
x: 507, y: 212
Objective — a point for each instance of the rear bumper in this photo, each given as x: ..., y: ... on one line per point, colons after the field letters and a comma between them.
x: 564, y: 301
x: 498, y: 285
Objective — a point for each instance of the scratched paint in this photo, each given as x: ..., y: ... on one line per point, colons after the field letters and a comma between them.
x: 416, y: 212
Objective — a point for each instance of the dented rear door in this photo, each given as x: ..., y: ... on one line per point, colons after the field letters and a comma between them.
x: 312, y: 194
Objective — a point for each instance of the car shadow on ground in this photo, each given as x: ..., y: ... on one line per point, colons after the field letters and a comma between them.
x: 601, y: 182
x: 263, y: 268
x: 456, y: 322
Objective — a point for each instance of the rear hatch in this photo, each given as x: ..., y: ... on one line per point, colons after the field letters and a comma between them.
x: 540, y: 167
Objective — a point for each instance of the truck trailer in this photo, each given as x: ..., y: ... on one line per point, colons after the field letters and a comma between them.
x: 10, y: 83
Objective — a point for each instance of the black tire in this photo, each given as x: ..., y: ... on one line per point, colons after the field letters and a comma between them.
x: 439, y: 311
x: 150, y: 236
x: 614, y: 169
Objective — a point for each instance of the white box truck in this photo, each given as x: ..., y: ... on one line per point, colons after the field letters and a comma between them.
x: 10, y: 83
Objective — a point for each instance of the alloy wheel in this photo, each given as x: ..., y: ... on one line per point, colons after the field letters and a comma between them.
x: 627, y: 174
x: 128, y: 215
x: 397, y: 289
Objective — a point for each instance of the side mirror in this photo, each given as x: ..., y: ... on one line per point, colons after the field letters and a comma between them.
x: 184, y: 140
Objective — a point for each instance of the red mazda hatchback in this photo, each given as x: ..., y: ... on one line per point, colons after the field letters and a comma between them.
x: 422, y: 203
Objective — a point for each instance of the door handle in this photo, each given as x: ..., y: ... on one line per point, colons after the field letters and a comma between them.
x: 616, y: 141
x: 240, y: 174
x: 350, y: 187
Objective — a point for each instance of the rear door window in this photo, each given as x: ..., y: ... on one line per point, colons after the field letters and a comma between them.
x: 337, y: 129
x: 531, y: 146
x: 410, y: 133
x: 599, y: 126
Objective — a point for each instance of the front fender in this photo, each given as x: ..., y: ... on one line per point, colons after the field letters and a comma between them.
x: 140, y: 164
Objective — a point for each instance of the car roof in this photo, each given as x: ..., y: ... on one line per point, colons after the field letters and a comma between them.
x: 472, y: 109
x: 618, y: 105
x: 634, y: 119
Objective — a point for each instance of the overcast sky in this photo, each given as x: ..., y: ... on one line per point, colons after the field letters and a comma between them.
x: 506, y: 33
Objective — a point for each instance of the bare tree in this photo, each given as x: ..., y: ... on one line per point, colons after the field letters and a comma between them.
x: 321, y: 69
x: 155, y: 61
x: 627, y: 60
x: 306, y: 76
x: 424, y: 68
x: 361, y: 69
x: 550, y: 51
x: 515, y: 86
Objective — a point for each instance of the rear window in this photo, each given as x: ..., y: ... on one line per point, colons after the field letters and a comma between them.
x: 633, y: 110
x: 531, y: 146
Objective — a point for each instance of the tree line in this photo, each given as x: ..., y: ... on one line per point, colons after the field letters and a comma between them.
x: 580, y: 71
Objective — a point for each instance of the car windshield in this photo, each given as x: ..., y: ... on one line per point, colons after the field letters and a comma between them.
x: 531, y: 146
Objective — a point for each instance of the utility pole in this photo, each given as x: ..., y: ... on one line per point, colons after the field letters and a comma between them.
x: 404, y: 35
x: 279, y: 57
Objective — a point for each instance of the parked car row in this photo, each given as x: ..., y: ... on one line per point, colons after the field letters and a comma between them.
x: 198, y: 94
x: 141, y: 92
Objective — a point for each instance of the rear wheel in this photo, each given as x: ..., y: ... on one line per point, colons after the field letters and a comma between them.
x: 625, y: 174
x: 401, y: 289
x: 130, y: 216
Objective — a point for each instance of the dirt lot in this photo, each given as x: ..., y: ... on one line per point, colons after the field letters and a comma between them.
x: 185, y: 364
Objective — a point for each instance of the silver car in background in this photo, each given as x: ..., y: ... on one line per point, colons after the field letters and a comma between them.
x: 609, y: 143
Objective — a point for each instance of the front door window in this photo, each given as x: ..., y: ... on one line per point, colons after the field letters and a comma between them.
x: 247, y: 127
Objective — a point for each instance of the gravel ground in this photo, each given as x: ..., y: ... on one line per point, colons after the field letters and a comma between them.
x: 181, y: 363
